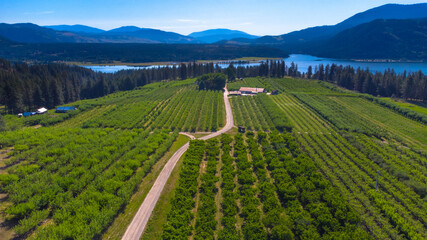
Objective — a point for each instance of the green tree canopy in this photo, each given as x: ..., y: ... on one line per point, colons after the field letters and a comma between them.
x: 211, y: 81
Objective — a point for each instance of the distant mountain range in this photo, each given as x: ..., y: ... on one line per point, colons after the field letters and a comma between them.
x: 31, y: 33
x: 76, y: 28
x: 216, y: 35
x: 348, y: 39
x: 389, y: 11
x: 358, y: 37
x: 404, y: 39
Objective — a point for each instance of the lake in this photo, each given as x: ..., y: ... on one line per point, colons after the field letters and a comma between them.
x: 303, y: 61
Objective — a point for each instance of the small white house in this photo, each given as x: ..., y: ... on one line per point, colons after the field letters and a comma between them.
x: 41, y: 110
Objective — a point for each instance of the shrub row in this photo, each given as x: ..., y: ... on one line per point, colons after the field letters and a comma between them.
x: 177, y: 225
x: 205, y: 221
x: 277, y: 116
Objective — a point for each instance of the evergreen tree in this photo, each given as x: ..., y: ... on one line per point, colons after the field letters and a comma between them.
x: 309, y: 72
x: 211, y: 81
x: 183, y: 71
x: 56, y: 93
x: 231, y: 72
x: 2, y: 124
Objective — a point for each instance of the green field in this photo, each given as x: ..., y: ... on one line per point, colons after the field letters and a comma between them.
x: 249, y: 112
x: 414, y: 106
x: 165, y: 105
x: 305, y: 169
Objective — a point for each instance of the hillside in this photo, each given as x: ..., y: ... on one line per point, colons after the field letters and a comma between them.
x: 132, y: 34
x: 216, y: 35
x: 388, y: 11
x: 380, y: 39
x: 124, y: 29
x: 32, y: 33
x: 131, y: 52
x: 75, y: 28
x: 358, y: 43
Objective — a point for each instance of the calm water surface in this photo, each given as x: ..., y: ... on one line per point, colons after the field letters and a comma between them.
x: 303, y: 61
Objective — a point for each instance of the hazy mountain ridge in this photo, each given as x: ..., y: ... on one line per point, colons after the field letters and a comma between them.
x: 75, y: 28
x: 215, y: 35
x: 32, y: 33
x: 132, y: 34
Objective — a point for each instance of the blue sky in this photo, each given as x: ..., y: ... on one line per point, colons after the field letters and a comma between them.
x: 258, y: 17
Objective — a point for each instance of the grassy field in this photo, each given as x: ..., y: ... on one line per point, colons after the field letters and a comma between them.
x: 414, y: 106
x: 164, y: 105
x: 249, y: 112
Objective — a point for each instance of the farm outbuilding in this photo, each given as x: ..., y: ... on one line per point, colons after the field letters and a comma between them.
x: 249, y: 90
x: 64, y: 109
x: 28, y: 114
x: 234, y: 93
x: 242, y: 129
x: 41, y: 110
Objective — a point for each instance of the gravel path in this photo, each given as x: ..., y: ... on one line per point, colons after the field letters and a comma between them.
x: 140, y: 220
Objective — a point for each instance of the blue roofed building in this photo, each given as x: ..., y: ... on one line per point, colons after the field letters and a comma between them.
x: 64, y: 109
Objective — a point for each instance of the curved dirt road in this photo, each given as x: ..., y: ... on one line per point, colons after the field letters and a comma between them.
x: 140, y: 220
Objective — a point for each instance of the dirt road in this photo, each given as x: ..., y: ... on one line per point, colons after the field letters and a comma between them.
x: 140, y: 220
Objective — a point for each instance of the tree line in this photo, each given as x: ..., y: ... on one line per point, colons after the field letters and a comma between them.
x: 410, y: 86
x: 25, y: 87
